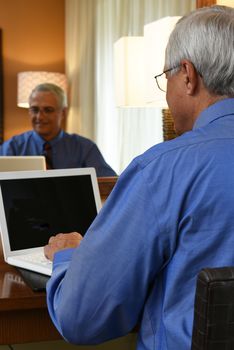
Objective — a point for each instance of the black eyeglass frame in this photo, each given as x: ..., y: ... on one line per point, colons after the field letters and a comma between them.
x: 159, y: 75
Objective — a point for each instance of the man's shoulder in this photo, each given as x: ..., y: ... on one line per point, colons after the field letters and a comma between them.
x: 169, y: 150
x: 21, y: 137
x: 76, y: 138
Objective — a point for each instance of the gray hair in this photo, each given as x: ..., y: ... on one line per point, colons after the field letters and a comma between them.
x: 55, y: 89
x: 206, y: 38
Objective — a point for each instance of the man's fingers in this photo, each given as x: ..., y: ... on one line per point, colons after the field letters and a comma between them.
x: 62, y: 241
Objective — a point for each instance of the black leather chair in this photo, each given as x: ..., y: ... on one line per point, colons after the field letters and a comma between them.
x: 213, y: 327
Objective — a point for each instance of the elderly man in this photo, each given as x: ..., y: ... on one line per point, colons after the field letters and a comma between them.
x: 170, y: 213
x: 47, y: 110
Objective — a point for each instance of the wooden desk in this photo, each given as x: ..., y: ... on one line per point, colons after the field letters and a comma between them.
x: 23, y: 313
x: 106, y: 185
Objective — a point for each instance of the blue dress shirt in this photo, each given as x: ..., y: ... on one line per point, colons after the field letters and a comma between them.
x: 68, y: 151
x: 170, y: 214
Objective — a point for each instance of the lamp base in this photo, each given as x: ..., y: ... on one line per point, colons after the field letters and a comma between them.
x: 168, y: 125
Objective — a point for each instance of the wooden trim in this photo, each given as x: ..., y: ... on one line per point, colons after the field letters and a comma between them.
x: 203, y: 3
x: 106, y: 185
x: 26, y: 326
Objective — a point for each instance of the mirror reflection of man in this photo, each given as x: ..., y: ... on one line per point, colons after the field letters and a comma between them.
x: 47, y: 111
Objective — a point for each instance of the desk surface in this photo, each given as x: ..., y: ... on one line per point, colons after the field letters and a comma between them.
x: 23, y: 313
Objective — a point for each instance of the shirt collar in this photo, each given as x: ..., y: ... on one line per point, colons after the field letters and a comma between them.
x: 41, y: 141
x: 217, y: 110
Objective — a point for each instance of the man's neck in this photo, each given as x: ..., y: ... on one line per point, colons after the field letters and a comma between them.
x: 205, y: 100
x: 49, y: 137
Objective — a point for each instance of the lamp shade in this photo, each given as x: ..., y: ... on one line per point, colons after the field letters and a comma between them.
x: 129, y: 60
x: 136, y: 62
x: 156, y: 35
x: 27, y: 81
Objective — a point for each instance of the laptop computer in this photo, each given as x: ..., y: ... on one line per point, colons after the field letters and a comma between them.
x: 18, y: 163
x: 35, y: 205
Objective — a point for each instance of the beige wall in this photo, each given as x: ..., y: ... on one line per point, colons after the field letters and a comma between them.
x: 226, y: 2
x: 33, y: 39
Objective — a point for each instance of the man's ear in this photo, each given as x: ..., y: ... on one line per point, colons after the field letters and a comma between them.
x: 190, y: 76
x: 65, y: 111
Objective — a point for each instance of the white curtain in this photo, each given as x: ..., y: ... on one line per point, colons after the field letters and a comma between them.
x: 92, y: 27
x: 80, y: 62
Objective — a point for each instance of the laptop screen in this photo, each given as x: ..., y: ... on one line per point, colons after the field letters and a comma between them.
x: 18, y: 163
x: 37, y: 208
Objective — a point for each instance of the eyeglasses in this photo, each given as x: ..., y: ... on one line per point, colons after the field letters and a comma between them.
x: 45, y: 110
x: 161, y: 80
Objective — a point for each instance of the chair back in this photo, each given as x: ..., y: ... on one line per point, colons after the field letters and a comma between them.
x: 213, y: 327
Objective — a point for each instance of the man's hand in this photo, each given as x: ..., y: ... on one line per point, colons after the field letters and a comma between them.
x: 62, y: 241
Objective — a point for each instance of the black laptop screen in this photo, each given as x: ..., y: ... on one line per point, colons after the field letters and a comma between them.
x: 37, y: 208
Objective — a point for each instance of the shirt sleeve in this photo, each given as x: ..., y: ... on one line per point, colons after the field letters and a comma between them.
x: 99, y: 291
x: 7, y: 148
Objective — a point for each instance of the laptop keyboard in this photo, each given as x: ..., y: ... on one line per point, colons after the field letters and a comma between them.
x: 37, y: 257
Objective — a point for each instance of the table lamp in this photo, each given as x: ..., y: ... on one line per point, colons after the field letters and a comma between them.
x: 136, y: 61
x: 27, y: 81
